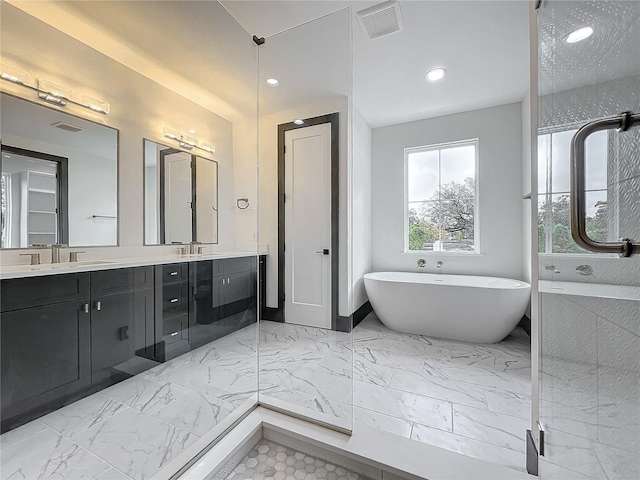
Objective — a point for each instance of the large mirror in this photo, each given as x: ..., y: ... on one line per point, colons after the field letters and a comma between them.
x: 59, y: 178
x: 181, y: 196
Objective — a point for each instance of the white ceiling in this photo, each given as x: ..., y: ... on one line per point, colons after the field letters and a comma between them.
x: 483, y: 45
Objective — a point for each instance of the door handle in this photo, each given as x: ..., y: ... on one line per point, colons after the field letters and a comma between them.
x: 625, y: 247
x: 324, y: 251
x: 98, y: 306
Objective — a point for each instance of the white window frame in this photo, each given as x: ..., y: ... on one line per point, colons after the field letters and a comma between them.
x: 476, y: 217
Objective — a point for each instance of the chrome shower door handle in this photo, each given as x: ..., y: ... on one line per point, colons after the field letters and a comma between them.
x: 625, y: 247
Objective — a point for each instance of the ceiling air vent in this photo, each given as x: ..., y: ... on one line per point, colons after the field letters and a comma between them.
x: 67, y: 126
x: 381, y: 19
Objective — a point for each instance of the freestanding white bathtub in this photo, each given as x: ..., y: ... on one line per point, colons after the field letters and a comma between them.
x: 457, y: 307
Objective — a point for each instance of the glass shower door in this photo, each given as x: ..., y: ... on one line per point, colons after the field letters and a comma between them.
x: 589, y: 302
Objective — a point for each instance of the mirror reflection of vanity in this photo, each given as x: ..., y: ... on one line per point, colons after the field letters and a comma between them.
x: 59, y: 178
x: 181, y: 196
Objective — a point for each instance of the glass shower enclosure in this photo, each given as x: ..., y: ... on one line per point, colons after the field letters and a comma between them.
x: 589, y: 280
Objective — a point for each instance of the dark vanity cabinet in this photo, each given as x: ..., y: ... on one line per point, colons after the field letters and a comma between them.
x: 122, y: 330
x: 236, y: 289
x: 207, y: 316
x: 199, y: 302
x: 45, y: 342
x: 172, y: 299
x: 69, y: 334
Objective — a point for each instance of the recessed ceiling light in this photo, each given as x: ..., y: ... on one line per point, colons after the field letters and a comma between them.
x: 272, y: 82
x: 579, y: 35
x: 435, y: 74
x: 298, y: 121
x: 192, y: 131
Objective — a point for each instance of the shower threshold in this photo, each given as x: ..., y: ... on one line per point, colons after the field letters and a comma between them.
x: 369, y: 453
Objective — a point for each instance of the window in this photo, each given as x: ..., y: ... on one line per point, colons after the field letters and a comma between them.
x: 554, y: 220
x: 441, y: 198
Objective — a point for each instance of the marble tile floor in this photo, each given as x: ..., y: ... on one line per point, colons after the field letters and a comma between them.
x: 472, y: 399
x: 271, y: 461
x: 134, y: 428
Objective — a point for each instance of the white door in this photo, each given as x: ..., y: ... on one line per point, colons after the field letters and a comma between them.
x: 177, y: 208
x: 206, y: 201
x: 308, y: 226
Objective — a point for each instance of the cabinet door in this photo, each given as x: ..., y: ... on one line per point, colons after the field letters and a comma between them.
x: 238, y: 287
x: 217, y: 297
x: 112, y: 327
x: 45, y: 355
x: 206, y: 324
x: 144, y: 327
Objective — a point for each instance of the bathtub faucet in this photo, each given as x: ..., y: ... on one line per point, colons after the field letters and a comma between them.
x: 584, y: 269
x: 421, y: 263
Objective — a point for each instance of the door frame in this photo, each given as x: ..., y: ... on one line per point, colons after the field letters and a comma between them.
x: 62, y: 184
x: 333, y: 119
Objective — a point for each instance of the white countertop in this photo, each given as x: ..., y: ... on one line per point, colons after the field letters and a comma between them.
x: 22, y: 271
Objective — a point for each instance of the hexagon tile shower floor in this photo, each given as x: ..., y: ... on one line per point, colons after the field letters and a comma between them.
x: 271, y: 461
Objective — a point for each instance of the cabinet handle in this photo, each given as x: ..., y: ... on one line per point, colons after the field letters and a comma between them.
x: 228, y: 280
x: 98, y: 306
x: 173, y: 274
x: 123, y: 333
x: 174, y: 300
x: 86, y: 308
x: 174, y: 334
x: 224, y: 281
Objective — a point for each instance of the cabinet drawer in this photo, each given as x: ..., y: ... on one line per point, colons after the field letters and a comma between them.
x: 109, y: 282
x: 237, y: 265
x: 174, y: 272
x: 37, y: 291
x: 175, y: 299
x: 175, y: 329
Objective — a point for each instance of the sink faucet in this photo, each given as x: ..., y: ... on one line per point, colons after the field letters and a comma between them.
x: 192, y: 247
x: 56, y: 248
x: 421, y: 263
x: 439, y: 265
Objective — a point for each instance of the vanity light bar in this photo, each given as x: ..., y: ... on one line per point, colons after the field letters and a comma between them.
x: 187, y: 142
x: 52, y: 92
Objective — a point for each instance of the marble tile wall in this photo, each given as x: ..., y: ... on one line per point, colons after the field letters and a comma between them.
x: 590, y: 346
x: 590, y: 385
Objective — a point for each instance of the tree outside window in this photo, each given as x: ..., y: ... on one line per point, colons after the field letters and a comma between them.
x: 441, y: 194
x: 554, y: 215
